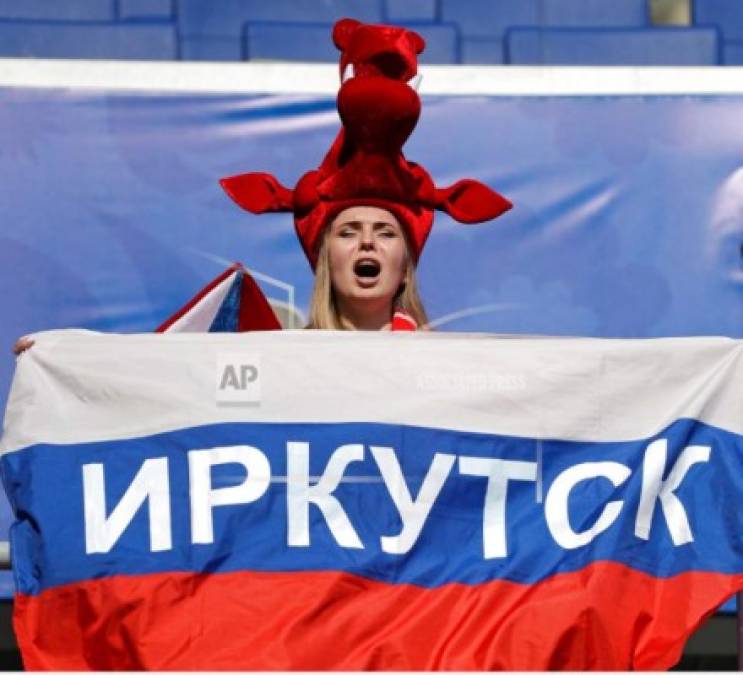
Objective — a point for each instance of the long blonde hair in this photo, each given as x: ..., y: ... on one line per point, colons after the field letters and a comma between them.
x: 324, y: 309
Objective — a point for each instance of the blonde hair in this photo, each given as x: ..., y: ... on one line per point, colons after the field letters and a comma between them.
x: 324, y: 310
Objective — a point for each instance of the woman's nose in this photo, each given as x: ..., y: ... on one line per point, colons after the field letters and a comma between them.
x: 367, y: 239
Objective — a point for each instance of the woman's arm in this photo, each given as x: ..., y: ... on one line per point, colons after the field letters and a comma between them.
x: 22, y: 345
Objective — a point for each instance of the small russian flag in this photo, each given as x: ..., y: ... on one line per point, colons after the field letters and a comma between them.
x: 231, y: 303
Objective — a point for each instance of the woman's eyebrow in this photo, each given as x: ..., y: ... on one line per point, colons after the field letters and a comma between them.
x: 377, y: 225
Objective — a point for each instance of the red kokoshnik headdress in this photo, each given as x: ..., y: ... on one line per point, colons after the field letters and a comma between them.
x: 365, y: 165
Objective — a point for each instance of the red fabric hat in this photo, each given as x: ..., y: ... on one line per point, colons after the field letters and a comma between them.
x: 365, y: 165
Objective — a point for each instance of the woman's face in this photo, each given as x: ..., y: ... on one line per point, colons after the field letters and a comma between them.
x: 367, y: 254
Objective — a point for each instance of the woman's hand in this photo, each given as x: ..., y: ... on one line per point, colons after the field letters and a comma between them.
x: 22, y: 345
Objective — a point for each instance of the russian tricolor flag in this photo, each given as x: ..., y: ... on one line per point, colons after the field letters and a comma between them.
x: 320, y: 500
x: 231, y: 303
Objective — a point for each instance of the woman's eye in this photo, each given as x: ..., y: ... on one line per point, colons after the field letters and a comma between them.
x: 390, y: 234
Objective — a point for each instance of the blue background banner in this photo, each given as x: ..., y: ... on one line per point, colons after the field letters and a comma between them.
x: 628, y: 217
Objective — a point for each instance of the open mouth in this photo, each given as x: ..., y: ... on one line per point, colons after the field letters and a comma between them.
x: 367, y: 269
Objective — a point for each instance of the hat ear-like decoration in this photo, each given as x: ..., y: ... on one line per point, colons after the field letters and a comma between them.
x: 258, y: 192
x: 416, y: 41
x: 470, y: 201
x: 342, y: 32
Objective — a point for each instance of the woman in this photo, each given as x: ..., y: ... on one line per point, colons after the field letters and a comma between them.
x: 366, y: 169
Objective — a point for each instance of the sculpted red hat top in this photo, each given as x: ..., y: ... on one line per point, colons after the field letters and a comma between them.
x: 365, y: 165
